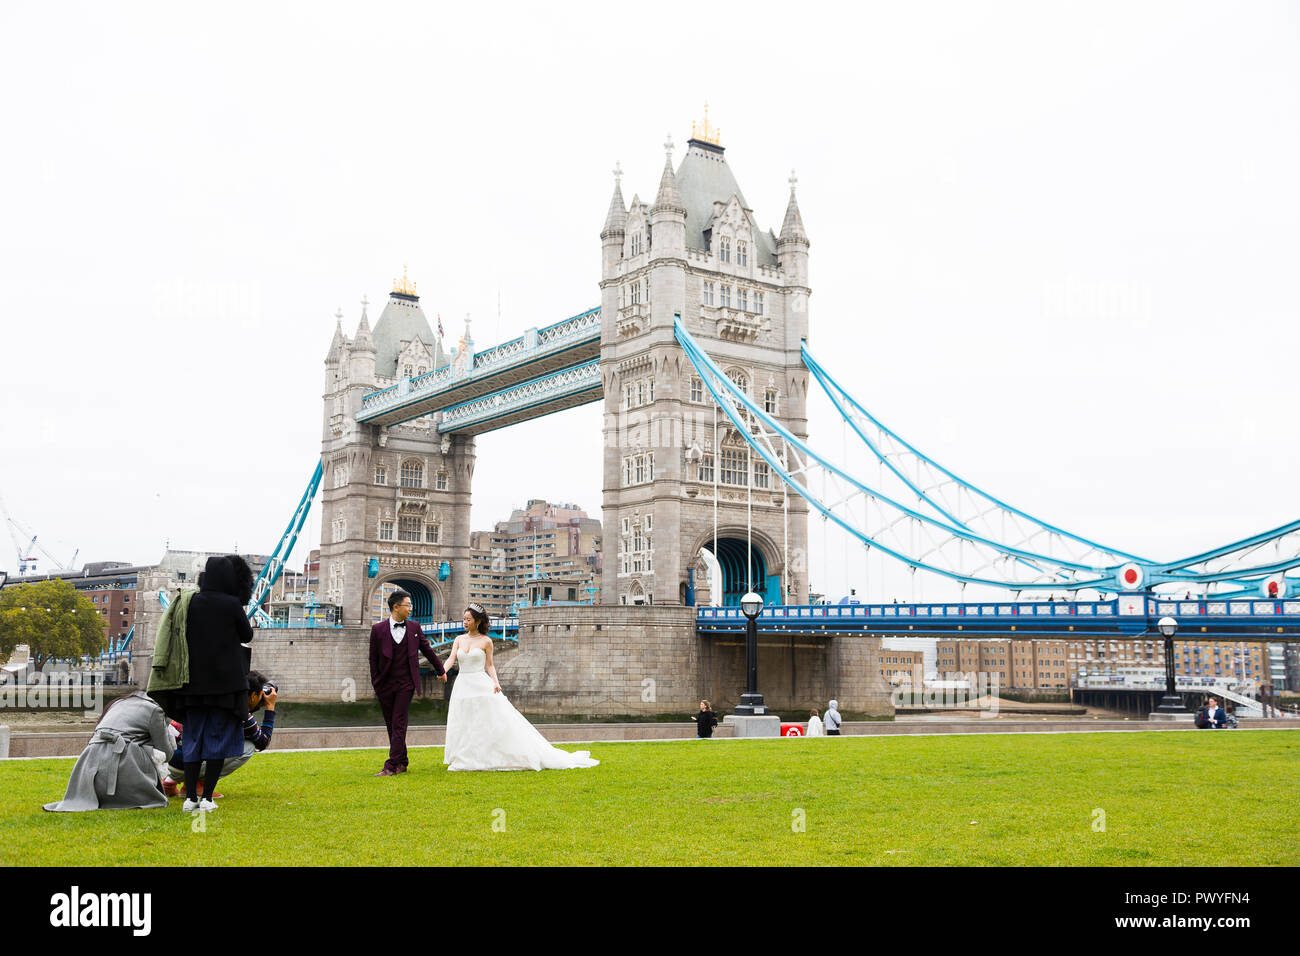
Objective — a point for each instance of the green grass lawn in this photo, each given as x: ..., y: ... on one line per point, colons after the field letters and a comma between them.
x: 1167, y: 799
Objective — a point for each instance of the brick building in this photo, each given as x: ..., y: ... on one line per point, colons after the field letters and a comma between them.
x: 538, y: 543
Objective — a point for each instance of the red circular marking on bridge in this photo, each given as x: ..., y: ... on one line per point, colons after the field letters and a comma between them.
x: 1131, y: 576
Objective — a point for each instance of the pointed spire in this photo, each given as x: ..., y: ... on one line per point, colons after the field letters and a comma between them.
x: 616, y: 220
x: 364, y: 341
x: 792, y: 228
x: 337, y: 343
x: 670, y: 197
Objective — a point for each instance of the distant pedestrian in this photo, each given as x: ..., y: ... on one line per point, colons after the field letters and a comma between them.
x: 1218, y: 719
x: 815, y: 726
x: 832, y: 720
x: 1211, y: 715
x: 705, y: 721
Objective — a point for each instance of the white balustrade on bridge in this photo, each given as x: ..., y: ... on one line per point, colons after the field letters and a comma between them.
x: 542, y: 392
x: 534, y: 346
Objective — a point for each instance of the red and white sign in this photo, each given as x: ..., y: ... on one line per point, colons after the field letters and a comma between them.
x: 1130, y: 576
x: 792, y: 730
x: 1133, y: 605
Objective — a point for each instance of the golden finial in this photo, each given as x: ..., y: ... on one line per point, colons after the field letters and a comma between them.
x: 706, y: 134
x: 404, y: 285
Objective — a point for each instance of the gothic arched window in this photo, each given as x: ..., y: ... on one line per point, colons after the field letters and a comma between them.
x: 724, y: 249
x: 733, y: 466
x: 742, y: 254
x: 412, y: 473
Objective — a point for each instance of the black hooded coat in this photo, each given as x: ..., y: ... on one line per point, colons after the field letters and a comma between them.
x: 215, y: 631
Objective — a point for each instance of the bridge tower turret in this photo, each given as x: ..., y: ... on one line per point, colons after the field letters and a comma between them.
x: 396, y: 499
x: 698, y: 255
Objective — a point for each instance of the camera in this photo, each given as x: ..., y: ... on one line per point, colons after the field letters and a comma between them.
x: 268, y: 688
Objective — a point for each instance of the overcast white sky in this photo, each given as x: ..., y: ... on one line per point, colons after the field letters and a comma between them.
x: 1054, y: 245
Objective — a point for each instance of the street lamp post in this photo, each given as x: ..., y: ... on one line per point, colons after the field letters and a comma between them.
x: 751, y: 702
x: 1171, y: 703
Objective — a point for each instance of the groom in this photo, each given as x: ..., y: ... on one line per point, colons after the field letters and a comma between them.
x: 395, y: 673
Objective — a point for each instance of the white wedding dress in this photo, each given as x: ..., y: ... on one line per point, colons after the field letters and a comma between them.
x: 485, y: 732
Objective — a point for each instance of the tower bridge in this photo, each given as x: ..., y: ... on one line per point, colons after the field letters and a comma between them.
x: 699, y: 351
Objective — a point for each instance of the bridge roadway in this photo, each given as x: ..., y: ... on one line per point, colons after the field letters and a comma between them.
x: 1254, y: 620
x: 1128, y: 616
x: 542, y: 371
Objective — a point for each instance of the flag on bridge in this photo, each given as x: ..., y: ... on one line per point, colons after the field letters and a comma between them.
x: 439, y: 325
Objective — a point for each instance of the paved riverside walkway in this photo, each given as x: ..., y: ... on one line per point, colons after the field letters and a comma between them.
x: 70, y: 744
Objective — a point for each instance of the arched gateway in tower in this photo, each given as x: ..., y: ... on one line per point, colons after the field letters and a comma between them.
x: 401, y: 414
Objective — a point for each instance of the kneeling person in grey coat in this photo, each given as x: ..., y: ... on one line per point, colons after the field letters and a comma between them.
x: 116, y: 771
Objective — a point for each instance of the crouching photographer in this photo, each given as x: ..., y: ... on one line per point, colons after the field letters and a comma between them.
x: 262, y: 693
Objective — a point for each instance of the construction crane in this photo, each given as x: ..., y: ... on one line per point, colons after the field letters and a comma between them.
x: 25, y: 544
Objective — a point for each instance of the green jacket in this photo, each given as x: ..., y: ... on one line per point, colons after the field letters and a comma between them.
x: 171, y: 652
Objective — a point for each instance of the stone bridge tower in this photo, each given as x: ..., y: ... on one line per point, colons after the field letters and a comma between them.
x: 396, y: 499
x: 698, y: 252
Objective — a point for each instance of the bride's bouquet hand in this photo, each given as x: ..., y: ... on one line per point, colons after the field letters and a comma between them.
x: 496, y: 688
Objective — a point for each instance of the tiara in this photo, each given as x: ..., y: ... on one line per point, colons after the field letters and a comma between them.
x: 477, y: 608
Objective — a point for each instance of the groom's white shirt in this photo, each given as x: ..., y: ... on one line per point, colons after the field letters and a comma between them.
x: 398, y: 630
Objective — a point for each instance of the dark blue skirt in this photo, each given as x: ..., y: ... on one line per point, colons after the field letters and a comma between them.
x: 211, y: 733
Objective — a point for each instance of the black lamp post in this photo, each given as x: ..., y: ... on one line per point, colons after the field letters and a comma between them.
x: 751, y: 702
x: 1171, y: 703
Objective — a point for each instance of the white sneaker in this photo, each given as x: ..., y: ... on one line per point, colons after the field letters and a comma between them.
x: 190, y: 806
x: 202, y: 805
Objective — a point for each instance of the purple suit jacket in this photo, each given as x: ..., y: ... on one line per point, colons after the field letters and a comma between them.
x: 384, y: 655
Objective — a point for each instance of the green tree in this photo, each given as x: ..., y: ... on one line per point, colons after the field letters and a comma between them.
x: 52, y: 619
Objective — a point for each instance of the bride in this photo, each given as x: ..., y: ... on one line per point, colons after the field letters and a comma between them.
x: 484, y: 731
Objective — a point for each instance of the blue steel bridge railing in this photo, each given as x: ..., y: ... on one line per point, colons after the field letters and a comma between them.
x: 444, y: 632
x: 1135, y: 614
x: 438, y: 633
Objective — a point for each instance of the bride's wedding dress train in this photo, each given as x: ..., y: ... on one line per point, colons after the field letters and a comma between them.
x: 485, y: 732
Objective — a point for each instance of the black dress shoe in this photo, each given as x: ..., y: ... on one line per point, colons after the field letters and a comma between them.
x: 385, y: 773
x: 400, y: 769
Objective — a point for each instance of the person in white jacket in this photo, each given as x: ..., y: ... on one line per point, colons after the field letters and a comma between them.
x: 832, y: 720
x: 815, y: 728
